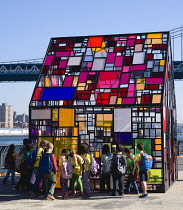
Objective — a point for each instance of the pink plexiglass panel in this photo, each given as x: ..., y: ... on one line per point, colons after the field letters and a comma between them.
x: 125, y: 78
x: 131, y: 90
x: 119, y: 61
x: 111, y: 57
x: 48, y: 60
x: 54, y: 82
x: 151, y: 81
x: 138, y: 67
x: 126, y: 68
x: 63, y: 64
x: 129, y: 101
x: 68, y: 81
x: 62, y: 54
x: 131, y: 42
x: 83, y: 76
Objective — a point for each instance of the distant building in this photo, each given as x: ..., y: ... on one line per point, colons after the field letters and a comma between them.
x: 21, y: 121
x: 6, y: 116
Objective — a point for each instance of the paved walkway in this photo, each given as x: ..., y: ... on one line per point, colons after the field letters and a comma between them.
x: 171, y: 200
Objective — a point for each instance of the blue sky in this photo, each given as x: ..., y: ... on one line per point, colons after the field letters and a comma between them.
x: 27, y: 26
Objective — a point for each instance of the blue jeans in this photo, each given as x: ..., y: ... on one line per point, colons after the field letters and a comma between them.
x: 86, y: 183
x: 64, y: 185
x: 118, y: 183
x: 12, y: 172
x: 131, y: 182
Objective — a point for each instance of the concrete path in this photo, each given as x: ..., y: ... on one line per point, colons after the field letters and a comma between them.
x: 171, y: 200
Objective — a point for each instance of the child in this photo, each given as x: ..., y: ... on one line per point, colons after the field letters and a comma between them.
x: 118, y: 170
x: 87, y: 157
x: 65, y: 167
x: 77, y: 162
x: 35, y: 188
x: 143, y: 176
x: 10, y: 164
x: 106, y: 162
x: 50, y: 180
x: 130, y: 165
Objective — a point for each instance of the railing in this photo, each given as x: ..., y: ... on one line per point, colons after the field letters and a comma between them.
x: 3, y: 151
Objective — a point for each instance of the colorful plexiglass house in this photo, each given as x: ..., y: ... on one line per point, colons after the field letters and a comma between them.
x: 106, y: 90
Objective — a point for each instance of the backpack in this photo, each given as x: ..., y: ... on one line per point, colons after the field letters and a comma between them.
x: 23, y: 165
x: 94, y: 167
x: 107, y: 163
x: 66, y: 169
x: 146, y: 162
x: 130, y: 163
x: 119, y: 164
x: 32, y: 158
x: 9, y: 161
x: 46, y: 165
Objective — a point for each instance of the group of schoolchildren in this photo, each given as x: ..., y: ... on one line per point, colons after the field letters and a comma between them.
x: 38, y: 168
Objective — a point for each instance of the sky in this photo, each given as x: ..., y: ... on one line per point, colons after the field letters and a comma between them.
x: 27, y: 26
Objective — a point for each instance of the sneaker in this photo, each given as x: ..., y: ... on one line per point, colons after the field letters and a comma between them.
x: 65, y: 196
x: 80, y: 193
x: 113, y: 194
x: 72, y: 193
x: 85, y: 197
x: 144, y: 195
x: 50, y: 197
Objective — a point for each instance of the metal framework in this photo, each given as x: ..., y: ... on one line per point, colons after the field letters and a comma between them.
x: 109, y: 89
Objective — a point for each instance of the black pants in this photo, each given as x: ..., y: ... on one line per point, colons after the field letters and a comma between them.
x: 105, y: 180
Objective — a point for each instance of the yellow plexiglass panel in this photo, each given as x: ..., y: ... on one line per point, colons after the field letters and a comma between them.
x: 162, y: 62
x: 107, y: 119
x: 157, y: 147
x: 97, y: 154
x: 82, y: 126
x: 140, y: 84
x: 65, y: 143
x: 47, y: 82
x: 158, y: 141
x: 155, y: 176
x: 119, y: 101
x: 75, y: 131
x: 154, y: 36
x: 156, y: 41
x: 156, y: 98
x: 55, y: 115
x: 148, y: 41
x: 75, y: 81
x: 66, y: 117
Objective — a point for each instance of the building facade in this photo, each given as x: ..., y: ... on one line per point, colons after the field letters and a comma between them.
x: 109, y: 89
x: 6, y: 116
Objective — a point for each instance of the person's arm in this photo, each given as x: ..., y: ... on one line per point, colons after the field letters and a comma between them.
x: 54, y: 162
x: 87, y: 160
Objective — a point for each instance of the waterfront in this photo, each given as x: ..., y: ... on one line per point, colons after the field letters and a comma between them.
x: 7, y: 140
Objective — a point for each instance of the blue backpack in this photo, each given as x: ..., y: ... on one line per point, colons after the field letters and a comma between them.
x: 32, y: 158
x: 146, y: 162
x: 46, y: 165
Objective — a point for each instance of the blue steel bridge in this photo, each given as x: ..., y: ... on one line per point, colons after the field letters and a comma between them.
x: 28, y: 70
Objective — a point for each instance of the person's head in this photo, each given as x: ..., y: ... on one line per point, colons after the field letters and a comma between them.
x: 84, y: 148
x: 119, y: 147
x: 49, y: 146
x: 127, y: 151
x: 25, y: 142
x: 64, y: 152
x: 140, y: 146
x: 11, y: 148
x: 43, y: 144
x: 70, y: 153
x: 29, y: 148
x: 105, y: 149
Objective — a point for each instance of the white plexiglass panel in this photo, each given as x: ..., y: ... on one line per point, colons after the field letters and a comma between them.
x: 41, y: 114
x: 74, y: 61
x: 122, y: 120
x: 138, y: 57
